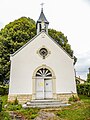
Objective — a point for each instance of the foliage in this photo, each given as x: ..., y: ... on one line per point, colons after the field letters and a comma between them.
x: 15, y: 101
x: 62, y: 40
x: 4, y: 100
x: 29, y: 113
x: 77, y: 111
x: 3, y: 90
x: 5, y: 116
x: 88, y: 77
x: 15, y: 34
x: 0, y: 105
x: 12, y: 107
x: 12, y: 37
x: 83, y: 89
x: 74, y: 98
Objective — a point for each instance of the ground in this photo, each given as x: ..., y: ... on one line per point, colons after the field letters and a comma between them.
x: 77, y: 111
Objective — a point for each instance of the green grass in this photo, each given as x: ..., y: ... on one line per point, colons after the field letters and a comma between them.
x: 4, y: 99
x: 28, y: 114
x: 4, y: 116
x: 77, y: 111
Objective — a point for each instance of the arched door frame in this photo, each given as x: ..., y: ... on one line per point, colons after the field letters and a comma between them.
x: 53, y: 81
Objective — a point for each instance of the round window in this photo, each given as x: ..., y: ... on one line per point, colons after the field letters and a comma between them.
x: 43, y: 52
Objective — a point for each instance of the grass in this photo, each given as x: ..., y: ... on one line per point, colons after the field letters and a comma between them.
x: 4, y: 116
x: 77, y: 111
x: 4, y: 99
x: 28, y: 114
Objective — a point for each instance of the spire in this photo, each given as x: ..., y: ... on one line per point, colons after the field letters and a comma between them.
x: 42, y: 23
x: 42, y: 7
x: 42, y: 17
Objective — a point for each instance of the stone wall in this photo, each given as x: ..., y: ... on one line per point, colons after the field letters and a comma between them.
x: 65, y: 97
x: 27, y: 97
x: 20, y: 97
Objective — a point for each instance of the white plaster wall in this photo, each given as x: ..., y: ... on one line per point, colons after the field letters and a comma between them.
x: 27, y: 60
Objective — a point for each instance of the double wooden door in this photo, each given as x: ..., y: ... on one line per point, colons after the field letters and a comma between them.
x: 43, y: 88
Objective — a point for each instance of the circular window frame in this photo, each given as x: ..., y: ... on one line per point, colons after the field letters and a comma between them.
x: 41, y: 53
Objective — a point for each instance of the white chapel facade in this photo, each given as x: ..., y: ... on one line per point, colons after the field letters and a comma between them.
x: 41, y: 69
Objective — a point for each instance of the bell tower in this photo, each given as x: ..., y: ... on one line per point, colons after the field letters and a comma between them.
x: 42, y: 23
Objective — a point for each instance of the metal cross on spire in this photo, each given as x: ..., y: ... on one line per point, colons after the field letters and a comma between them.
x: 42, y: 6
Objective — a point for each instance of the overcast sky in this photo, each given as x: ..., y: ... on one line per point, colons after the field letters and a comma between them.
x: 72, y: 17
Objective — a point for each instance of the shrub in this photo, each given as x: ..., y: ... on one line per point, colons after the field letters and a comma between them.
x: 4, y: 90
x: 0, y: 105
x: 11, y: 107
x: 5, y: 116
x: 15, y: 101
x: 33, y: 116
x: 74, y: 98
x: 83, y: 89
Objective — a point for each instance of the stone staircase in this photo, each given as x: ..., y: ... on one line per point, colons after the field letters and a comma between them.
x: 44, y: 104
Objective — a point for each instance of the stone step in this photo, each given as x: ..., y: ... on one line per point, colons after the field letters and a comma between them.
x: 44, y: 101
x: 44, y: 104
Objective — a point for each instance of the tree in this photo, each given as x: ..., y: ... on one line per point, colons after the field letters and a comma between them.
x: 61, y: 40
x: 12, y: 37
x: 16, y: 34
x: 88, y: 77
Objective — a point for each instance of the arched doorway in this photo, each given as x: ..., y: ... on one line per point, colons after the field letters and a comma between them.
x: 43, y: 84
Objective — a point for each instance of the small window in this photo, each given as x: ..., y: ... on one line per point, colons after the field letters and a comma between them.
x: 43, y: 52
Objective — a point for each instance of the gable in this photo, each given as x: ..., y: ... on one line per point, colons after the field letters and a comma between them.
x: 43, y: 35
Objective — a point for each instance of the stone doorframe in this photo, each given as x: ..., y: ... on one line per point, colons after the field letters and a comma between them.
x: 54, y: 96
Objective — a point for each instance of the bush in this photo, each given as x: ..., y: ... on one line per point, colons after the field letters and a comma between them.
x: 5, y: 116
x: 15, y: 101
x: 29, y: 113
x: 83, y: 89
x: 33, y: 116
x: 11, y: 107
x: 0, y: 105
x: 4, y: 90
x: 74, y: 98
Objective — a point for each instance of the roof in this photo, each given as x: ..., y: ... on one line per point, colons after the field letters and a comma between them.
x: 33, y: 39
x: 80, y: 79
x: 42, y: 17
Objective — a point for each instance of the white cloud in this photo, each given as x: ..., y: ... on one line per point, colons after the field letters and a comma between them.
x: 1, y: 25
x: 83, y: 64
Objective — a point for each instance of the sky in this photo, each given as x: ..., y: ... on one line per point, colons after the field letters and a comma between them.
x: 72, y: 17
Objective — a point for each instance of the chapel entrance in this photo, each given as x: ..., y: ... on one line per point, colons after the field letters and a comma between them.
x: 43, y: 84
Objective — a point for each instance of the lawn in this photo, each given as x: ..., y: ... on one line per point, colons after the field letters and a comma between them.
x: 77, y: 111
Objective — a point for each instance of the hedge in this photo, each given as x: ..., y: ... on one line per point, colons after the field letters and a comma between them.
x: 83, y: 89
x: 0, y: 105
x: 3, y: 90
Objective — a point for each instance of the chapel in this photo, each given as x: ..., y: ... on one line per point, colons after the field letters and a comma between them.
x: 41, y: 69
